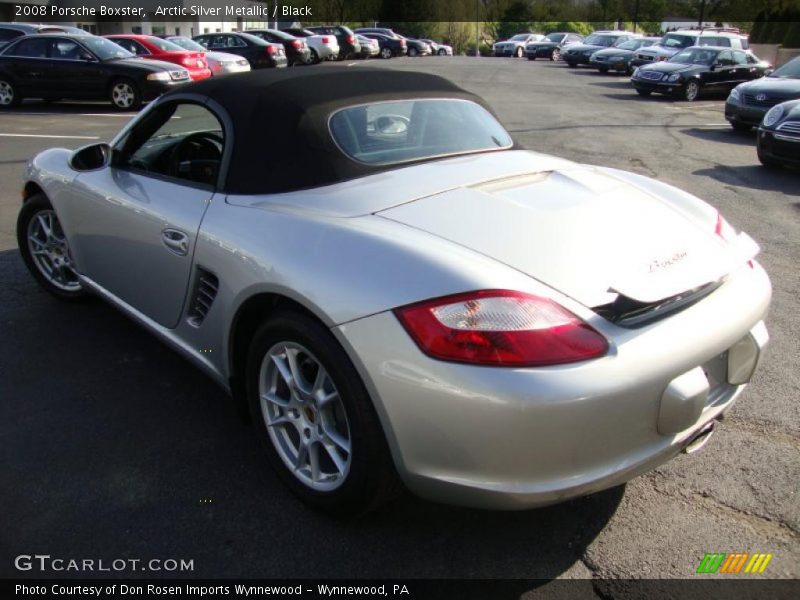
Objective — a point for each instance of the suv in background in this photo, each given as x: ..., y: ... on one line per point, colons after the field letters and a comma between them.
x: 349, y: 46
x: 675, y: 41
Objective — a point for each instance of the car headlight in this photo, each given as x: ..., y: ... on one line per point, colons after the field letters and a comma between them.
x: 674, y: 77
x: 616, y: 58
x: 735, y: 95
x: 159, y: 76
x: 773, y: 115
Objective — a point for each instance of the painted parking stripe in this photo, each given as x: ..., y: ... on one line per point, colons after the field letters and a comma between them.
x: 57, y: 137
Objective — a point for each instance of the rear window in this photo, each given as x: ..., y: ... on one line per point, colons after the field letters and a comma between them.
x: 394, y: 132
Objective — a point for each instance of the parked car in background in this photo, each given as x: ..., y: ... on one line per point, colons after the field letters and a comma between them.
x: 390, y: 45
x: 155, y: 48
x: 699, y: 69
x: 749, y: 102
x: 82, y: 67
x: 11, y: 31
x: 515, y: 45
x: 369, y: 48
x: 415, y: 47
x: 381, y: 30
x: 259, y: 53
x: 322, y: 47
x: 618, y: 58
x: 779, y: 136
x: 552, y: 45
x: 220, y: 63
x: 296, y: 48
x: 439, y: 48
x: 401, y: 295
x: 349, y: 46
x: 581, y: 53
x: 675, y: 41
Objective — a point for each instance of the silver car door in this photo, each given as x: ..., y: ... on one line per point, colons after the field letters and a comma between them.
x: 134, y: 226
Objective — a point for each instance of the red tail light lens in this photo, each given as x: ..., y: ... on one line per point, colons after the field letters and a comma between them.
x: 724, y: 229
x: 297, y: 44
x: 351, y: 39
x: 403, y: 43
x: 271, y: 50
x: 326, y: 39
x: 500, y: 328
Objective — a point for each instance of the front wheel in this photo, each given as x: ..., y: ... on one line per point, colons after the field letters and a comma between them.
x: 412, y: 52
x: 555, y: 54
x: 45, y: 250
x: 9, y: 95
x: 692, y: 91
x: 124, y: 95
x: 315, y: 418
x: 644, y: 92
x: 519, y: 52
x: 386, y: 53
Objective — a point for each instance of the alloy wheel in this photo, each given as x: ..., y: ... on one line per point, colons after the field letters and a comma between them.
x: 556, y: 55
x: 6, y: 93
x: 386, y: 53
x: 692, y: 91
x: 122, y: 95
x: 50, y: 251
x: 305, y: 416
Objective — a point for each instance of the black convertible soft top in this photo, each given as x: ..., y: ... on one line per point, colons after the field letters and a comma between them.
x: 281, y: 140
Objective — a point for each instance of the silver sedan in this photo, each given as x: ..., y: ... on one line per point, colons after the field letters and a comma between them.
x: 220, y: 63
x: 399, y: 294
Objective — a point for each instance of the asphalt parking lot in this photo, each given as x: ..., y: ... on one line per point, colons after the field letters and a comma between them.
x: 112, y: 446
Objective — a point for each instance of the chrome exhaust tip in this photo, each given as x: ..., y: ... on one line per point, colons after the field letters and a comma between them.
x: 700, y: 439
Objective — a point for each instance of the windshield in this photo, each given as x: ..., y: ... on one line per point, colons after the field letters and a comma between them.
x: 600, y: 40
x: 631, y: 45
x: 105, y: 49
x: 395, y: 132
x: 672, y: 40
x: 554, y: 37
x: 790, y: 70
x: 694, y: 56
x: 187, y: 44
x: 520, y: 37
x: 165, y: 45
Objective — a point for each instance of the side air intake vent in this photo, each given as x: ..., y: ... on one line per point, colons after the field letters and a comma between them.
x: 205, y: 290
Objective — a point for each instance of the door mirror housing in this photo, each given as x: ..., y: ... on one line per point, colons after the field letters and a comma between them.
x: 91, y: 158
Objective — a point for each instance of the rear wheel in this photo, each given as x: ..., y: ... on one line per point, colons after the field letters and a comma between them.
x: 386, y: 53
x: 124, y: 95
x: 555, y: 54
x: 412, y: 52
x: 692, y: 91
x: 643, y: 92
x: 741, y: 127
x: 315, y: 418
x: 45, y: 250
x: 9, y: 96
x: 519, y: 52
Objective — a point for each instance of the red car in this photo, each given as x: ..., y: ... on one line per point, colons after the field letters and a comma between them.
x: 152, y: 47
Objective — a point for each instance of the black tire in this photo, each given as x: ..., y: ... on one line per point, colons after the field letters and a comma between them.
x: 412, y: 52
x: 603, y: 69
x: 692, y: 90
x: 442, y: 52
x: 34, y: 206
x: 371, y: 479
x: 741, y: 127
x: 531, y: 57
x: 132, y: 94
x: 643, y: 92
x: 555, y: 54
x: 9, y: 94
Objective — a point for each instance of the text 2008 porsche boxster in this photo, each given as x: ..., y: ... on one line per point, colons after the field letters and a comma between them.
x: 402, y: 294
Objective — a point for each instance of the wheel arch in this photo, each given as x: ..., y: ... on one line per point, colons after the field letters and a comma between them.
x: 30, y: 189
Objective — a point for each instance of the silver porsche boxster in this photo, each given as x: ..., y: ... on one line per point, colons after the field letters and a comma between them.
x: 398, y: 294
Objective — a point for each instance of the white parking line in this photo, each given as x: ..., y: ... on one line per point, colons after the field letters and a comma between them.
x: 58, y: 137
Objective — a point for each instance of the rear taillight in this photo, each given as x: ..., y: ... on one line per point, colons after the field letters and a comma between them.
x: 297, y: 44
x: 403, y: 43
x: 270, y: 50
x: 188, y: 61
x: 326, y: 39
x: 351, y: 39
x: 500, y: 328
x: 724, y: 229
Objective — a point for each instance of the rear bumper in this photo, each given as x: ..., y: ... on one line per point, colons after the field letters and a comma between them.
x: 520, y: 438
x: 576, y: 60
x: 618, y: 65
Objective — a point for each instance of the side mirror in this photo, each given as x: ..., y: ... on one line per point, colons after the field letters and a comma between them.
x: 713, y: 66
x: 391, y: 124
x: 90, y: 158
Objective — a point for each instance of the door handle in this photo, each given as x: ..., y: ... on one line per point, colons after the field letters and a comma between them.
x: 176, y: 241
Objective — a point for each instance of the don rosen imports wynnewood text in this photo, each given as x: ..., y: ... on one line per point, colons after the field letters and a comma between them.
x: 324, y: 590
